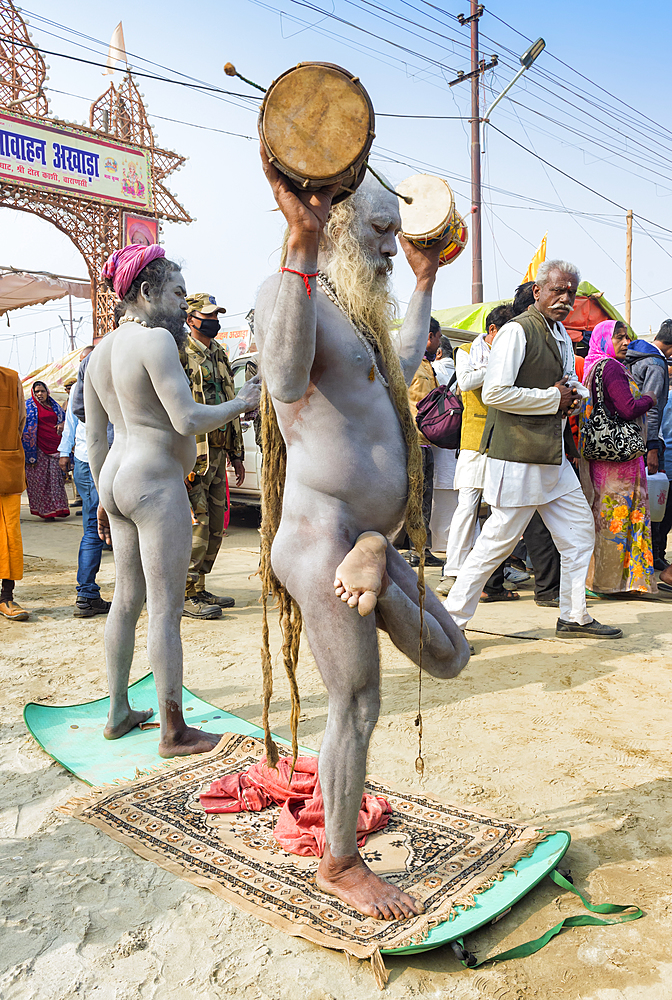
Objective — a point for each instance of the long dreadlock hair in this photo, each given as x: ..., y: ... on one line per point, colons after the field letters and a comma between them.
x: 340, y: 228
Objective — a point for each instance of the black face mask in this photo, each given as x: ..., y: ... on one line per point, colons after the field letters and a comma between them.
x: 209, y: 327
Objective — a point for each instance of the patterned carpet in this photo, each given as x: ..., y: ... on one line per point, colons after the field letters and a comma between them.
x: 439, y: 853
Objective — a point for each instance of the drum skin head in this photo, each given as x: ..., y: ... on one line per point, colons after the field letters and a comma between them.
x: 430, y: 212
x: 317, y: 122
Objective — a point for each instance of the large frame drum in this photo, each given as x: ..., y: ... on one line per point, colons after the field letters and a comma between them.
x: 317, y: 125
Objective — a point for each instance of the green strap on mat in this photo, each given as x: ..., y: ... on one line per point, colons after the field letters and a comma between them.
x: 581, y: 920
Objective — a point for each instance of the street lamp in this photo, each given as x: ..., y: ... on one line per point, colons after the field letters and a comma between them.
x: 526, y: 60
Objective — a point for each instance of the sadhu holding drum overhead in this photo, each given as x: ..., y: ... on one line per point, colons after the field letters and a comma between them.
x: 338, y: 435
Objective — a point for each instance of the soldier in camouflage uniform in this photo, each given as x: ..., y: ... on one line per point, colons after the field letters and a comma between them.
x: 211, y: 381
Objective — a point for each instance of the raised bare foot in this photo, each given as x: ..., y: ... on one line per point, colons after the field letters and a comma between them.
x: 354, y: 882
x: 187, y: 742
x: 113, y: 731
x: 362, y: 576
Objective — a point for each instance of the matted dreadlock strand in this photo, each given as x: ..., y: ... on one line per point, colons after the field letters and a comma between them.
x: 414, y: 522
x: 273, y: 470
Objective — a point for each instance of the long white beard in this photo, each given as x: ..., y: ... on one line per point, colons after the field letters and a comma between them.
x: 363, y: 289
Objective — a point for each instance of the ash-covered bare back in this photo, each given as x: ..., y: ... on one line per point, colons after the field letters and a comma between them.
x: 346, y: 489
x: 136, y: 381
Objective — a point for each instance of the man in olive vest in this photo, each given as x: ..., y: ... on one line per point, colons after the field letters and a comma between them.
x: 529, y: 389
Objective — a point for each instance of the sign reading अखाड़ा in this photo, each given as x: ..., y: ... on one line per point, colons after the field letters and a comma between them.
x: 59, y: 158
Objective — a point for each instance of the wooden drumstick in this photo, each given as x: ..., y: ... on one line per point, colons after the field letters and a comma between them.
x: 231, y: 70
x: 404, y: 197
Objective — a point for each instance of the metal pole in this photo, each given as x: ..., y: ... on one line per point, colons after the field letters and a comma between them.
x: 628, y: 267
x: 476, y: 252
x: 72, y: 332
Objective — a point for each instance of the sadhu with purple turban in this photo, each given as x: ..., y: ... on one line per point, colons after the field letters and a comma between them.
x: 126, y: 271
x: 617, y: 491
x: 123, y: 266
x: 136, y: 379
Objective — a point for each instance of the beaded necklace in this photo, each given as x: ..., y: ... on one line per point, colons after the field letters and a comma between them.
x: 364, y: 340
x: 132, y: 319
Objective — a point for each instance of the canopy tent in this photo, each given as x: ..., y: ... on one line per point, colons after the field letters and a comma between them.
x: 56, y: 374
x: 25, y: 288
x: 590, y: 308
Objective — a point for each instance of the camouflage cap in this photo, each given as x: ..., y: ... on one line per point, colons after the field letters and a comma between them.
x: 201, y: 302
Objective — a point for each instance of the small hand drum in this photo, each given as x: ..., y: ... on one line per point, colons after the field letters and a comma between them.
x: 459, y: 237
x: 317, y: 125
x: 431, y: 215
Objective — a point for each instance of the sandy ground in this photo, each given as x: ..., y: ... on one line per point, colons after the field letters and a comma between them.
x: 567, y: 734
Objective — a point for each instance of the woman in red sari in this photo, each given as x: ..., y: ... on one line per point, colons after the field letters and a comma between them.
x: 41, y: 438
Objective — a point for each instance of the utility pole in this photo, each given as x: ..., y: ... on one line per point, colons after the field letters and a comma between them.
x: 628, y: 266
x: 72, y: 332
x: 478, y: 67
x: 476, y: 205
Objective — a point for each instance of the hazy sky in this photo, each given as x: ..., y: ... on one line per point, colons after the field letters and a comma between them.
x: 233, y: 243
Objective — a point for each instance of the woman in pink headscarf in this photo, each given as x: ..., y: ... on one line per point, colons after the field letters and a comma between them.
x: 41, y: 438
x: 617, y: 491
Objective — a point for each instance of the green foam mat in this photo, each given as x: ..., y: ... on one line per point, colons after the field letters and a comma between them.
x: 73, y: 734
x: 499, y: 898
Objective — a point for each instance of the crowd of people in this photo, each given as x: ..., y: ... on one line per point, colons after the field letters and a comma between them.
x: 564, y: 464
x: 558, y: 441
x: 625, y: 383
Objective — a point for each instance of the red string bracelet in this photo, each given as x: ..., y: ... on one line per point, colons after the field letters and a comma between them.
x: 301, y: 275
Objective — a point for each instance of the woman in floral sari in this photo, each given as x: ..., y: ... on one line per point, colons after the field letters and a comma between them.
x: 617, y: 491
x: 41, y: 438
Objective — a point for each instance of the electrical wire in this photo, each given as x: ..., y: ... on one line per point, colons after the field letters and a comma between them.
x: 206, y: 88
x: 614, y: 97
x: 581, y: 227
x: 575, y: 180
x: 148, y: 76
x: 357, y: 27
x: 150, y: 114
x: 98, y: 41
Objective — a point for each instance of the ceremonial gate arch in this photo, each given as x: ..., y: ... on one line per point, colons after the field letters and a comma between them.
x: 93, y: 221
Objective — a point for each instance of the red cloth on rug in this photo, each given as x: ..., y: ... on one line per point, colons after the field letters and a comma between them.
x: 300, y: 826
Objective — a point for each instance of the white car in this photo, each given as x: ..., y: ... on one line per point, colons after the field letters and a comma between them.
x: 250, y: 491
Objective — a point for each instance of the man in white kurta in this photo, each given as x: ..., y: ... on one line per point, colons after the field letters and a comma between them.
x: 515, y: 489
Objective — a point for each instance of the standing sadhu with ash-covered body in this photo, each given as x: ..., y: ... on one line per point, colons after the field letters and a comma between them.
x: 353, y: 470
x: 136, y: 381
x: 211, y: 381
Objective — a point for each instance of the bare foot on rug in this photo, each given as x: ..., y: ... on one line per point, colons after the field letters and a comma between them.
x: 113, y: 731
x: 362, y: 576
x: 187, y: 742
x: 352, y: 881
